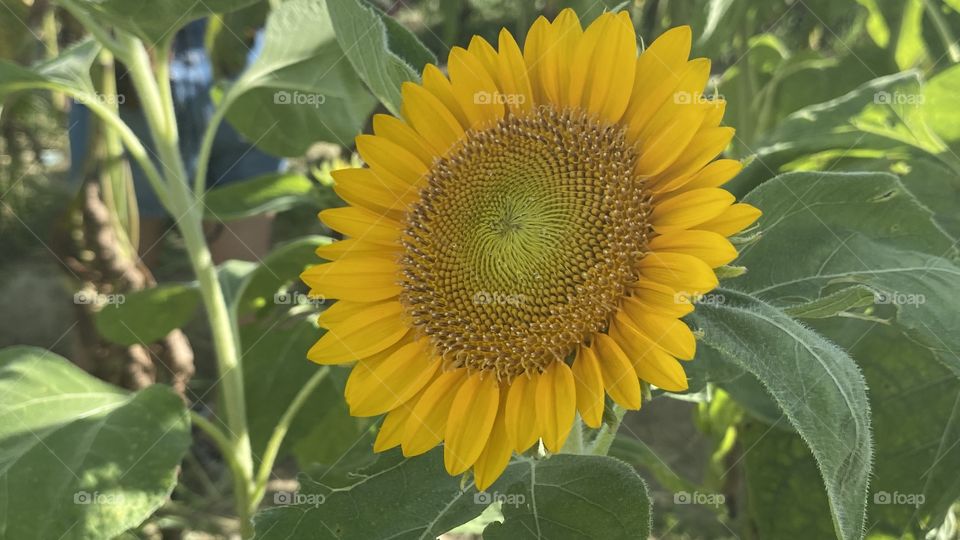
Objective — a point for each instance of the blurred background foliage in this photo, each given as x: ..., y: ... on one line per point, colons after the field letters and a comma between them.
x: 831, y: 85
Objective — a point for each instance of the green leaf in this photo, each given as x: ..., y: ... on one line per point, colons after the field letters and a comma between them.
x: 570, y: 496
x: 148, y: 315
x: 69, y: 72
x: 940, y: 105
x: 155, y: 21
x: 834, y: 303
x: 383, y: 52
x: 394, y: 498
x: 274, y: 192
x: 275, y: 368
x: 911, y: 49
x: 882, y: 114
x: 783, y: 505
x: 823, y: 230
x: 299, y: 90
x: 81, y: 458
x: 816, y: 384
x: 416, y: 498
x: 234, y: 276
x: 915, y: 403
x: 282, y: 266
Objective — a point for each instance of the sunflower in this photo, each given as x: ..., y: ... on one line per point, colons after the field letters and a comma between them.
x: 525, y: 240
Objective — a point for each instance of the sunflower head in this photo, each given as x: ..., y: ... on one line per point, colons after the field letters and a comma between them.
x: 525, y: 240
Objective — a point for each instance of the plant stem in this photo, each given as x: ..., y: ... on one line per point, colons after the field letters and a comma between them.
x: 188, y: 212
x: 943, y: 28
x: 279, y: 432
x: 601, y: 445
x: 206, y: 146
x: 574, y: 444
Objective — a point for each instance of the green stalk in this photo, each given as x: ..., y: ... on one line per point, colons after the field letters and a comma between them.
x: 188, y: 211
x: 574, y: 443
x: 943, y: 28
x: 279, y: 432
x: 206, y: 146
x: 601, y: 445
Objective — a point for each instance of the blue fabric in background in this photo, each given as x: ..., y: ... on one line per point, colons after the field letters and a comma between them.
x: 191, y: 80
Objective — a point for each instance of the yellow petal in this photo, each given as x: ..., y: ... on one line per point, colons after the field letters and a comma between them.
x: 670, y: 334
x: 556, y: 404
x: 521, y: 413
x: 513, y: 74
x: 340, y: 311
x: 358, y: 248
x: 475, y: 89
x: 567, y: 34
x: 611, y: 69
x: 428, y: 420
x: 715, y: 114
x: 377, y: 386
x: 384, y: 155
x: 658, y: 70
x: 391, y: 431
x: 735, y: 219
x: 654, y: 297
x: 664, y: 139
x: 713, y: 249
x: 400, y: 132
x: 650, y: 363
x: 361, y: 335
x: 354, y: 278
x: 439, y: 85
x: 485, y: 53
x: 496, y: 455
x: 471, y: 419
x: 703, y: 148
x: 430, y: 117
x: 374, y: 190
x: 583, y: 57
x: 535, y: 58
x: 589, y: 385
x: 362, y: 224
x: 686, y: 274
x: 714, y: 174
x: 689, y: 209
x: 547, y: 52
x: 618, y: 376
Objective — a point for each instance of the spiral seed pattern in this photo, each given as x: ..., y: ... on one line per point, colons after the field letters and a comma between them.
x: 523, y: 241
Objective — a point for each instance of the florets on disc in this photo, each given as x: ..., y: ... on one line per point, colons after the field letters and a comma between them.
x: 523, y: 241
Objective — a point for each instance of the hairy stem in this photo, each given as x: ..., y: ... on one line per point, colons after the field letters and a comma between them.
x: 279, y: 432
x: 188, y: 211
x: 601, y: 445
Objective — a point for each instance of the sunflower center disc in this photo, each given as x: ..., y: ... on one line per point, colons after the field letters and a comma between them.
x: 523, y: 241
